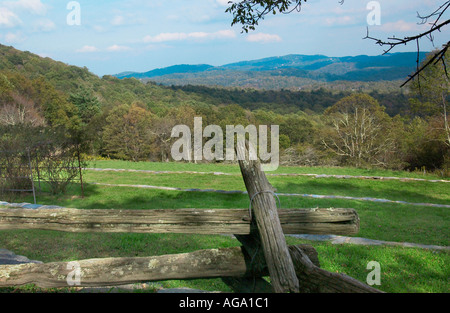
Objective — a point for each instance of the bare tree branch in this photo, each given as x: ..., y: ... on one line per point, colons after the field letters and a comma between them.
x: 249, y: 13
x: 436, y: 26
x: 440, y: 56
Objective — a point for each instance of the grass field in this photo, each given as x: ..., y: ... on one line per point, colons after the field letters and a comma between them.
x: 230, y: 168
x: 403, y: 269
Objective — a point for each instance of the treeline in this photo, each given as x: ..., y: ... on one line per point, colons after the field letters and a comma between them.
x: 127, y: 119
x: 290, y: 79
x: 288, y: 101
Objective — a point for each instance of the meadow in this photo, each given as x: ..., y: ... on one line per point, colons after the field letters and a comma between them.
x: 403, y: 270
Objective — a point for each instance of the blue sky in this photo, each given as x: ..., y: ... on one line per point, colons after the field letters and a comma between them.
x: 137, y: 35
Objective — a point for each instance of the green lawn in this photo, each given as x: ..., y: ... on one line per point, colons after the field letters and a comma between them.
x: 403, y: 269
x: 231, y: 168
x: 410, y: 191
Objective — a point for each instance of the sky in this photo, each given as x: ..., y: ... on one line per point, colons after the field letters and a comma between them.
x: 110, y: 37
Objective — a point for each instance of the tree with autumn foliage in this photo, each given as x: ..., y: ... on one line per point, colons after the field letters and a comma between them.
x: 127, y: 134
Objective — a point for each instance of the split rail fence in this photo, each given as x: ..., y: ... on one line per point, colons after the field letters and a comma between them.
x: 261, y: 231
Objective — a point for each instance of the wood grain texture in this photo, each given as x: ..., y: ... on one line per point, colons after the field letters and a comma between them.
x: 313, y: 279
x: 230, y: 263
x: 120, y: 271
x: 192, y: 221
x: 269, y: 230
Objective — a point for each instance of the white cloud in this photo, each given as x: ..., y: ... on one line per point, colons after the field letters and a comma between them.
x: 45, y: 25
x: 13, y: 38
x: 87, y: 49
x: 225, y: 34
x: 32, y: 6
x: 117, y: 48
x: 263, y: 37
x: 118, y: 20
x: 99, y: 28
x: 8, y: 18
x: 10, y: 9
x: 113, y: 48
x: 128, y: 18
x: 164, y: 37
x: 198, y: 35
x: 341, y: 20
x: 400, y: 26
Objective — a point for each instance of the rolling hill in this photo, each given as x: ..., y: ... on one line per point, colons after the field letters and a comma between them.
x: 26, y: 67
x: 288, y: 72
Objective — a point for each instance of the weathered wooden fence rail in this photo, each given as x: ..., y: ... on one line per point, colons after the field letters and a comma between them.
x: 188, y: 221
x: 119, y: 271
x: 214, y: 263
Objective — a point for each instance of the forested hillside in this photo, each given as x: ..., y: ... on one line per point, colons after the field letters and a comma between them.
x: 287, y: 101
x: 131, y: 120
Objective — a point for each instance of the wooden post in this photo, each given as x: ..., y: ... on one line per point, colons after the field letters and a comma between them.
x: 256, y: 267
x: 316, y: 280
x: 268, y: 234
x: 31, y: 175
x: 38, y: 173
x: 80, y: 171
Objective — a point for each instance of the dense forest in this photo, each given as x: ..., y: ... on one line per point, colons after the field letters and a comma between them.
x: 132, y: 120
x: 287, y: 101
x: 288, y: 79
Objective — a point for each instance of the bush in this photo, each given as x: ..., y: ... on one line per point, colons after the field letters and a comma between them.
x: 49, y: 152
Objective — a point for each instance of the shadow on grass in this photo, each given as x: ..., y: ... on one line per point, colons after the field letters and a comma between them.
x: 402, y: 269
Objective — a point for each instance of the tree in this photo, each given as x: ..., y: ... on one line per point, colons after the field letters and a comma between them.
x: 20, y: 111
x: 431, y: 90
x: 6, y: 87
x: 17, y: 107
x: 126, y: 134
x: 87, y: 104
x: 297, y: 129
x: 248, y: 13
x: 59, y: 157
x: 425, y: 148
x: 357, y: 130
x: 162, y: 129
x: 58, y: 112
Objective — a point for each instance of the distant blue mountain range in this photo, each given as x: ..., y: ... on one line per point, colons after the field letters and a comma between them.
x: 387, y: 67
x: 175, y: 69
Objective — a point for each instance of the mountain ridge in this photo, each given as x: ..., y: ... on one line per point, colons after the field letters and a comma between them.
x: 310, y: 63
x: 293, y: 71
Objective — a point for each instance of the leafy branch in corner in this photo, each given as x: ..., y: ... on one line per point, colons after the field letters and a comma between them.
x: 249, y: 13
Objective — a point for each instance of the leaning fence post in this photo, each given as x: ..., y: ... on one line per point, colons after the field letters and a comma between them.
x: 269, y: 233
